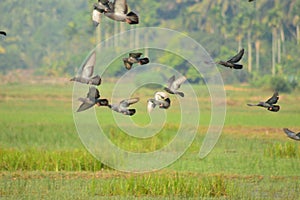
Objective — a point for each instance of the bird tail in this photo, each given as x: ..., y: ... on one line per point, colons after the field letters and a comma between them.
x: 237, y: 66
x: 133, y: 18
x: 274, y: 108
x: 144, y: 61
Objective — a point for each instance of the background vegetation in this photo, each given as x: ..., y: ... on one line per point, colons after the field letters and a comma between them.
x: 53, y: 37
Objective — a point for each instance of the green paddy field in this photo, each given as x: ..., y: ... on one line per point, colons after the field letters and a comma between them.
x: 42, y: 156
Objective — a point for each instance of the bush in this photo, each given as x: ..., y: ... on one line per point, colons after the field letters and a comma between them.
x: 280, y: 84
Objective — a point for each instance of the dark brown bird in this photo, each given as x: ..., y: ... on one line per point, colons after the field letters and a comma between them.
x: 291, y: 134
x: 231, y: 63
x: 269, y: 104
x: 134, y: 58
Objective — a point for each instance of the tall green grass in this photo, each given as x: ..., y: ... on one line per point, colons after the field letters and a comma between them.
x: 253, y: 158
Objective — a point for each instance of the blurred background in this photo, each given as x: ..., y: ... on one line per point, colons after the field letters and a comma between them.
x: 52, y: 38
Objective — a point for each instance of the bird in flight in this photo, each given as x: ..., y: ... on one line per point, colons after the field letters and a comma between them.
x: 87, y: 70
x: 134, y: 58
x: 269, y: 104
x: 174, y: 85
x: 122, y: 106
x: 160, y: 99
x: 91, y: 99
x: 231, y: 63
x: 116, y: 10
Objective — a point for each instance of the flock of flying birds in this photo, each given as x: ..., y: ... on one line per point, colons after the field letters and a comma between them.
x: 118, y: 10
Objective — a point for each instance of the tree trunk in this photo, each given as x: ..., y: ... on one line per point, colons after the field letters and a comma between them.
x: 278, y: 50
x: 257, y: 58
x: 274, y: 36
x: 298, y: 34
x: 249, y: 52
x: 115, y: 33
x: 98, y: 34
x: 137, y: 39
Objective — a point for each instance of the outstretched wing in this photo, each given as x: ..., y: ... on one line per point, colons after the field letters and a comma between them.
x: 88, y: 67
x: 96, y: 17
x: 93, y: 93
x: 120, y: 6
x: 292, y: 134
x: 170, y: 81
x: 288, y: 132
x: 273, y: 99
x: 127, y: 64
x: 127, y: 102
x: 85, y: 106
x: 135, y: 55
x: 237, y: 57
x: 160, y: 96
x: 177, y: 83
x: 150, y: 105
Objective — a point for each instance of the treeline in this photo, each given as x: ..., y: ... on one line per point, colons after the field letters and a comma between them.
x: 53, y: 37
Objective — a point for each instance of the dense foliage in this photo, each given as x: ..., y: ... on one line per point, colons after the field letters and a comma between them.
x: 53, y: 37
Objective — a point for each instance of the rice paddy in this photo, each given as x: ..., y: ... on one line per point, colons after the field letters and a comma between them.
x: 42, y: 157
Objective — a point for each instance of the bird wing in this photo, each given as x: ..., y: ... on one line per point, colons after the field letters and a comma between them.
x: 120, y: 6
x: 93, y: 93
x: 127, y: 64
x: 288, y: 132
x: 291, y: 134
x: 273, y: 99
x: 160, y: 95
x: 135, y: 55
x: 150, y: 105
x: 85, y: 106
x: 88, y: 67
x: 177, y: 83
x: 237, y: 57
x: 250, y: 104
x: 127, y: 102
x: 170, y: 81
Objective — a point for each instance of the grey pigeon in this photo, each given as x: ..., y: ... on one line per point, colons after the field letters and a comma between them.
x: 291, y: 134
x: 122, y: 107
x: 87, y: 71
x: 160, y: 99
x: 118, y: 11
x: 174, y: 85
x: 269, y: 104
x: 91, y: 99
x: 231, y: 63
x: 134, y: 58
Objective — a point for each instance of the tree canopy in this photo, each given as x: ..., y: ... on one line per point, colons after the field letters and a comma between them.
x: 54, y: 37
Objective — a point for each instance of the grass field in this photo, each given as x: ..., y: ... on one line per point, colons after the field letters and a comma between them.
x: 42, y: 157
